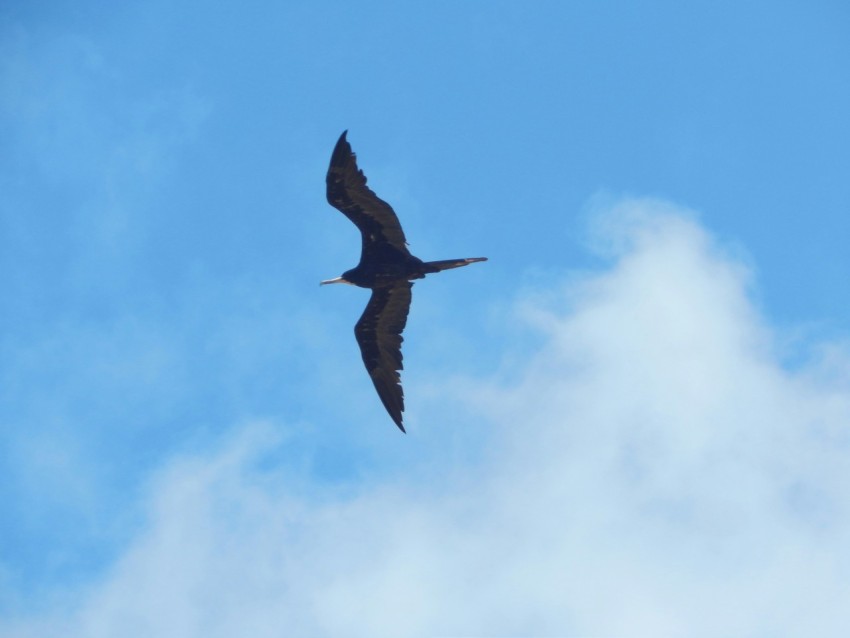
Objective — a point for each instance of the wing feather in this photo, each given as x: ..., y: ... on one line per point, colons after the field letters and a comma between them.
x: 348, y: 193
x: 378, y: 333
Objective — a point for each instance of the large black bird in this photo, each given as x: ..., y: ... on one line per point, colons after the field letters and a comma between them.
x: 387, y: 267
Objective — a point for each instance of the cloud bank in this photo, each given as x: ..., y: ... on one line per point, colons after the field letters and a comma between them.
x: 653, y: 469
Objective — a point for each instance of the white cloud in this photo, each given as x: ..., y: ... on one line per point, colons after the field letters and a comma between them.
x: 654, y: 471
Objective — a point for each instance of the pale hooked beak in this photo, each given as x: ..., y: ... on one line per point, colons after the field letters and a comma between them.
x: 336, y: 280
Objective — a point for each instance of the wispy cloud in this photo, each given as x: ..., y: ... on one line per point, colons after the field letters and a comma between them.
x: 653, y: 470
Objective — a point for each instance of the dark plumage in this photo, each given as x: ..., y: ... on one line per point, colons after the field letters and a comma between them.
x: 387, y: 267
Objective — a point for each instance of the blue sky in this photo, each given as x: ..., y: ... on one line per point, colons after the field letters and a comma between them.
x: 638, y: 409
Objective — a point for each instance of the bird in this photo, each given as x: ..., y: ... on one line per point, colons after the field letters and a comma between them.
x: 386, y: 267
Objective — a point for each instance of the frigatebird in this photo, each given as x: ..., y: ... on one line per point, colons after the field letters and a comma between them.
x: 387, y: 267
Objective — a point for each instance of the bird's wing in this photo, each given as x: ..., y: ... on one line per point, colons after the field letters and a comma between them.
x: 347, y: 192
x: 378, y: 333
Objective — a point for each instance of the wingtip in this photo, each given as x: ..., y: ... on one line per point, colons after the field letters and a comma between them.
x: 339, y: 158
x: 341, y: 150
x: 398, y: 422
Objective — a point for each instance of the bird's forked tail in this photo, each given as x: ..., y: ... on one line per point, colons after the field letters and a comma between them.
x: 446, y: 264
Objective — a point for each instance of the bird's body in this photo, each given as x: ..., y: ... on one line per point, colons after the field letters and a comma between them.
x: 387, y: 267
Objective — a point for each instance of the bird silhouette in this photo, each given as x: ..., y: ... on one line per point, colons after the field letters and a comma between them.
x: 386, y: 267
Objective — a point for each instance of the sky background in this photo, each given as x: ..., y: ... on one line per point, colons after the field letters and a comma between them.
x: 634, y: 420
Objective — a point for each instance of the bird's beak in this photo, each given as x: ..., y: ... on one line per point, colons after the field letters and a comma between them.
x: 337, y: 280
